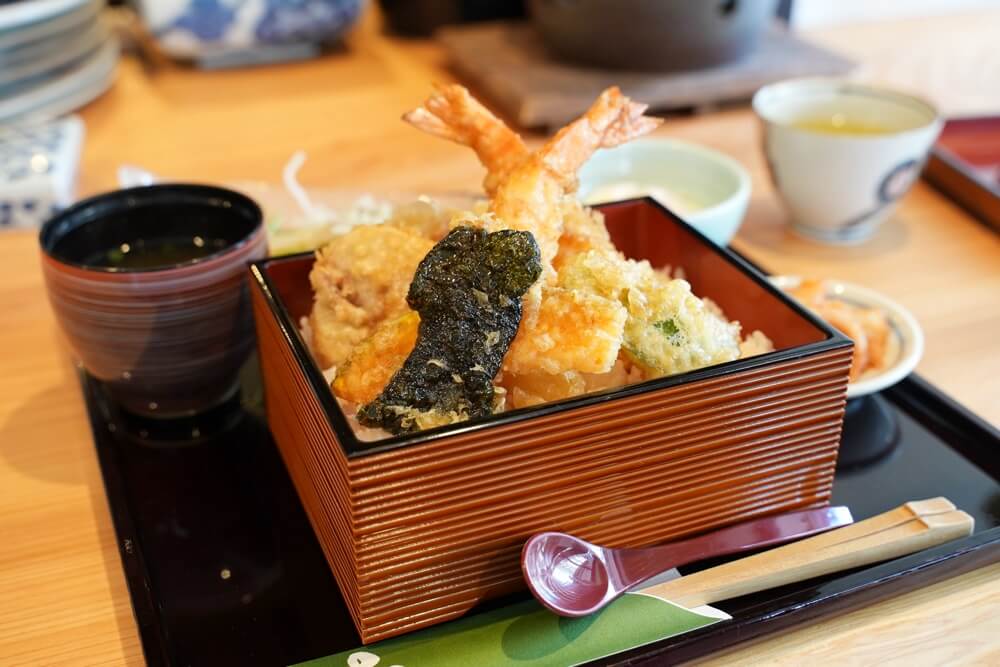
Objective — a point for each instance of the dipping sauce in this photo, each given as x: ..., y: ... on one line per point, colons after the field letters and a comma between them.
x: 675, y: 201
x: 155, y: 252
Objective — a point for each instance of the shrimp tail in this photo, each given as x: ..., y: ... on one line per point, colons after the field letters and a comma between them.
x: 424, y: 120
x: 612, y: 120
x: 631, y: 123
x: 452, y: 113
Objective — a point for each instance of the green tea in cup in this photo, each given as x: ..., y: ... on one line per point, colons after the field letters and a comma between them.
x: 841, y: 153
x: 838, y: 122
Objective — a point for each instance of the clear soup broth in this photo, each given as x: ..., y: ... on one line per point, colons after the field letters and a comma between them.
x: 154, y: 236
x: 155, y: 252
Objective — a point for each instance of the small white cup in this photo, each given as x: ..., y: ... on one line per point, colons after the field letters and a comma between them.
x: 838, y: 186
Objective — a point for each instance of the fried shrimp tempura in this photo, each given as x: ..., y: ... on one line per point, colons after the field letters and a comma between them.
x: 583, y: 230
x: 530, y: 192
x: 532, y: 196
x: 452, y: 113
x: 593, y: 320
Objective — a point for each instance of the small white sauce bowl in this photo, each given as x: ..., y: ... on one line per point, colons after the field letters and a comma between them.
x: 708, y: 190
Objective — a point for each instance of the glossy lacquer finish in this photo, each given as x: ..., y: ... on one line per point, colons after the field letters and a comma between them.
x: 224, y: 569
x: 965, y: 165
x: 573, y: 577
x: 419, y: 529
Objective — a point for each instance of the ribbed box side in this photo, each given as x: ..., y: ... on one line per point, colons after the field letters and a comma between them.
x: 419, y: 535
x: 304, y: 441
x: 683, y: 460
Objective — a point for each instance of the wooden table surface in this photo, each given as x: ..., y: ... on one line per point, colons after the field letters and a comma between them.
x: 62, y: 594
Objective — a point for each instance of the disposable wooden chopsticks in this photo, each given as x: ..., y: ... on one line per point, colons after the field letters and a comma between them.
x: 907, y: 529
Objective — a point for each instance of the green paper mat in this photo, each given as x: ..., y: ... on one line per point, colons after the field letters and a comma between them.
x: 528, y: 635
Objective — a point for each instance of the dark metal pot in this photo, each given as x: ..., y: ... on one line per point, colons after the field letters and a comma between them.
x: 662, y: 35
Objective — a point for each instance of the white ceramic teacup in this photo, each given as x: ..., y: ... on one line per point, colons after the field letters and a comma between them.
x: 842, y: 153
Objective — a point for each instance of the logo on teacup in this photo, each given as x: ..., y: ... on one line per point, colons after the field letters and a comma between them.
x: 899, y: 180
x: 893, y: 185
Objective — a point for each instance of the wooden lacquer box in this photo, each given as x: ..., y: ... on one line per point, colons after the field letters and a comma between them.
x: 420, y: 528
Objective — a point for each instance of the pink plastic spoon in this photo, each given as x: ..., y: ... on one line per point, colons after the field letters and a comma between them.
x: 573, y: 577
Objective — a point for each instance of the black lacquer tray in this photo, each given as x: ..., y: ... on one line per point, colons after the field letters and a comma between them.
x: 223, y: 568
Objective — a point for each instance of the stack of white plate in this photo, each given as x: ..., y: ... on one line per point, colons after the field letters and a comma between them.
x: 55, y: 56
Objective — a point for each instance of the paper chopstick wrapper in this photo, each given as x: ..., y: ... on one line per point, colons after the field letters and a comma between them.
x: 528, y: 635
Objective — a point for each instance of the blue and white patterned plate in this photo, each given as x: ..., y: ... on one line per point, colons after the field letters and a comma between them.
x: 210, y: 29
x: 38, y: 167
